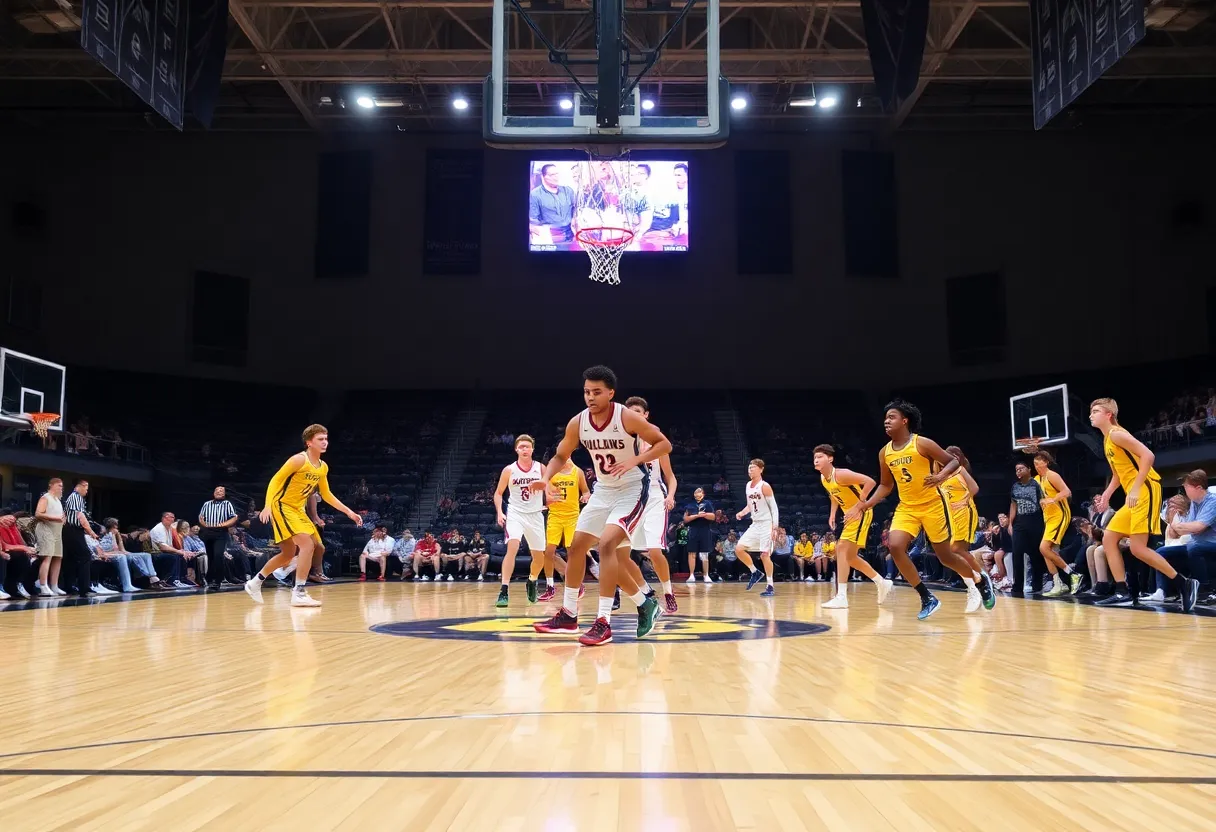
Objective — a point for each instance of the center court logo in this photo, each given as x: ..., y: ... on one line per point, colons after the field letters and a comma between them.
x: 674, y: 628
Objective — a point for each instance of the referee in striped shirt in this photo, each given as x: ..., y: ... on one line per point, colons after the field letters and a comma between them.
x: 216, y: 517
x: 76, y: 525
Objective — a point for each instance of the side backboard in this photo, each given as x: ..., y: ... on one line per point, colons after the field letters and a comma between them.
x: 1040, y: 414
x: 29, y: 384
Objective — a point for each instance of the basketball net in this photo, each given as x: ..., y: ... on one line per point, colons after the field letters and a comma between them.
x: 605, y: 218
x: 41, y: 422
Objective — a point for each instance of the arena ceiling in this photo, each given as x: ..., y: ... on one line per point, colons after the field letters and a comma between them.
x: 300, y: 64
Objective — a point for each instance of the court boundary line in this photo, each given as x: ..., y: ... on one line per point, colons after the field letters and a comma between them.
x: 837, y: 777
x: 681, y: 714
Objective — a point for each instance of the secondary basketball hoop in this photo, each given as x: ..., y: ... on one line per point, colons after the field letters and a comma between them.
x: 42, y: 422
x: 605, y: 246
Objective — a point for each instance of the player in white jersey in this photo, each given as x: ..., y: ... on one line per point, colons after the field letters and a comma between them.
x: 524, y: 519
x: 611, y: 433
x: 759, y: 537
x: 652, y: 532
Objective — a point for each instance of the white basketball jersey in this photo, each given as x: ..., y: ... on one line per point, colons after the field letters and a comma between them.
x: 609, y: 444
x: 658, y: 485
x: 523, y: 500
x: 759, y: 503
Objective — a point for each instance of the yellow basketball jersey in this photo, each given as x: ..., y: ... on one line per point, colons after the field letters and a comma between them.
x: 567, y: 484
x: 1049, y: 491
x: 909, y: 467
x: 956, y: 489
x: 1124, y: 463
x: 845, y: 496
x: 300, y: 485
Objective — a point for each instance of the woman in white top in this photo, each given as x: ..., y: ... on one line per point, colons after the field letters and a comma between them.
x: 49, y: 533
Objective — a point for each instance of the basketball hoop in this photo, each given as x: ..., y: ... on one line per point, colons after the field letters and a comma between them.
x: 41, y: 422
x: 607, y: 210
x: 1029, y: 445
x: 605, y: 245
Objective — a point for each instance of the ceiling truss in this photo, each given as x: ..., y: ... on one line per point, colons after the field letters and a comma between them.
x: 300, y: 60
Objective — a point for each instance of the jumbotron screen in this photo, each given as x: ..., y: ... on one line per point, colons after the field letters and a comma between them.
x: 605, y: 201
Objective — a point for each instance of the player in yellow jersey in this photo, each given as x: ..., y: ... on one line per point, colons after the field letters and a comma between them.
x: 1057, y: 518
x: 287, y: 512
x: 960, y: 490
x: 907, y: 464
x: 567, y: 491
x: 1131, y: 465
x: 847, y: 488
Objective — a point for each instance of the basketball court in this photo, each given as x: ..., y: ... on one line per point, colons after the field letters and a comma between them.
x: 408, y: 706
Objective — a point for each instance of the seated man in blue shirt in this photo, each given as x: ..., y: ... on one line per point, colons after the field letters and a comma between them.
x: 1200, y: 524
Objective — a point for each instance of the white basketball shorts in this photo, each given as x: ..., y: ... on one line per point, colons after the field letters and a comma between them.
x: 529, y: 526
x: 621, y: 505
x: 758, y: 537
x: 652, y: 531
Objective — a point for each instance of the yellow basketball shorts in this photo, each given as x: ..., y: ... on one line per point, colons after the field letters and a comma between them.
x: 932, y: 517
x: 288, y: 521
x: 560, y: 530
x: 963, y: 524
x: 1144, y: 518
x: 858, y: 530
x: 1056, y: 526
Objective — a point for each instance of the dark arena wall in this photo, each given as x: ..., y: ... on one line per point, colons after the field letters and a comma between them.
x: 1100, y: 264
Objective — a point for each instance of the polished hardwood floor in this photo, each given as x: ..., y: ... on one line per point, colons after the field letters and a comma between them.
x: 405, y: 706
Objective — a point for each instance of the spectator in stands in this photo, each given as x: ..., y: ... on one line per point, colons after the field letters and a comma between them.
x: 819, y: 559
x: 476, y: 556
x: 452, y: 554
x: 783, y: 548
x: 427, y: 551
x: 98, y: 560
x: 378, y: 547
x: 403, y: 555
x: 359, y: 495
x: 164, y: 537
x: 721, y: 487
x: 239, y: 557
x: 804, y: 550
x: 193, y: 544
x: 15, y: 557
x: 700, y: 517
x: 113, y: 542
x: 49, y: 533
x: 1198, y: 526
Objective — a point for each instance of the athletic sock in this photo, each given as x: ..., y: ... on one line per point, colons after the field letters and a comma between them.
x: 752, y: 569
x: 605, y: 608
x: 666, y: 587
x: 259, y: 577
x: 647, y: 590
x: 923, y: 592
x: 549, y: 581
x: 969, y: 583
x: 570, y: 600
x: 976, y: 576
x: 876, y: 578
x: 770, y: 579
x: 639, y: 598
x: 1121, y: 586
x: 1068, y: 569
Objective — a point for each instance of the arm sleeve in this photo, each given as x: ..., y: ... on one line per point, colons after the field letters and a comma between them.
x: 772, y: 508
x: 279, y: 480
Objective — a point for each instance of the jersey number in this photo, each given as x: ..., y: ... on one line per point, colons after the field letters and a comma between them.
x: 605, y: 461
x: 906, y: 476
x: 306, y: 491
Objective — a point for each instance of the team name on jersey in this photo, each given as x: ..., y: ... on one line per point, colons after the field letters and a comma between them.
x: 604, y: 444
x: 903, y: 460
